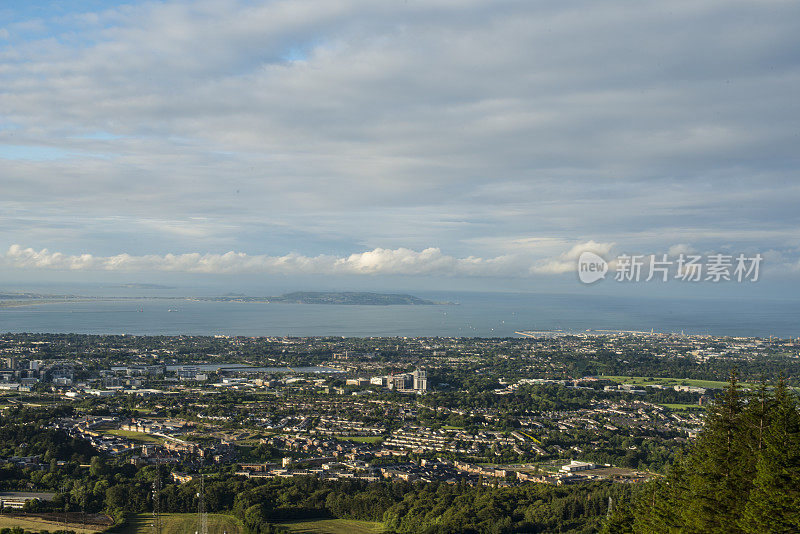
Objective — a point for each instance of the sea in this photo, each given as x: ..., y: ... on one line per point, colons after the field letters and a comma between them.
x: 465, y: 315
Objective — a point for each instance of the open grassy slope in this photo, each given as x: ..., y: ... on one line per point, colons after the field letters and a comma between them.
x: 183, y: 524
x: 334, y: 526
x: 37, y: 525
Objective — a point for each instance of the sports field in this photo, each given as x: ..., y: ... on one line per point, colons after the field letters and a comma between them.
x: 135, y: 436
x: 680, y: 406
x: 665, y: 381
x: 182, y: 524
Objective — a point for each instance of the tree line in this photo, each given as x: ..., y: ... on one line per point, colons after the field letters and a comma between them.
x: 742, y: 474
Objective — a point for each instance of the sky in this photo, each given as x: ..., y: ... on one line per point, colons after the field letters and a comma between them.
x: 456, y: 144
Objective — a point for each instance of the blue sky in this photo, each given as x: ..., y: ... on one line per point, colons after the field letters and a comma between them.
x: 467, y: 144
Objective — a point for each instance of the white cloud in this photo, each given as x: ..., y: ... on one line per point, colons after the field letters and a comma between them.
x: 680, y: 248
x: 462, y: 123
x: 566, y: 262
x: 380, y: 261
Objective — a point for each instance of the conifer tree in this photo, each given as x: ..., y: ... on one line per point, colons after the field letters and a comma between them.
x: 658, y: 509
x: 756, y: 418
x: 620, y: 521
x: 719, y: 477
x: 742, y: 474
x: 774, y: 504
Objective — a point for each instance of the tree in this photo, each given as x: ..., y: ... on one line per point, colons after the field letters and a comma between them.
x: 659, y: 509
x: 774, y: 504
x: 756, y: 417
x: 97, y: 467
x: 117, y: 497
x: 741, y: 475
x: 719, y: 468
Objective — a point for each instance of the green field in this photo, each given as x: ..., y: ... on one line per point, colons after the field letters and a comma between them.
x: 135, y: 436
x: 550, y: 466
x: 182, y: 524
x: 334, y: 526
x: 679, y: 406
x: 665, y: 381
x: 35, y: 525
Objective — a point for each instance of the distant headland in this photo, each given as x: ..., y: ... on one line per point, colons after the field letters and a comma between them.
x: 362, y: 298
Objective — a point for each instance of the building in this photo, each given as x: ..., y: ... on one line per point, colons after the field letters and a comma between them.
x: 17, y: 499
x: 574, y: 466
x: 357, y: 382
x: 62, y: 375
x: 100, y: 392
x: 378, y: 381
x: 188, y: 372
x: 690, y: 389
x: 421, y: 380
x: 401, y: 382
x: 405, y: 382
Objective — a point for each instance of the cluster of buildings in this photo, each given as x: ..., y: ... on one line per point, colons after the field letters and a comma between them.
x: 442, y: 470
x: 164, y: 443
x: 16, y: 376
x: 420, y: 440
x: 206, y: 411
x: 416, y: 382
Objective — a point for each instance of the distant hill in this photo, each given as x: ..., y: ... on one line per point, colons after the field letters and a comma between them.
x: 332, y: 297
x: 363, y: 298
x: 351, y: 297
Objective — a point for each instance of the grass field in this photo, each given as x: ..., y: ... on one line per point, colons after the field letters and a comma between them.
x: 182, y: 524
x: 551, y: 466
x: 334, y: 526
x: 678, y: 406
x: 36, y: 525
x: 664, y: 381
x: 135, y: 436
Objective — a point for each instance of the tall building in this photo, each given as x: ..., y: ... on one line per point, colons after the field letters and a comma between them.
x: 378, y: 381
x: 421, y: 380
x: 401, y: 382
